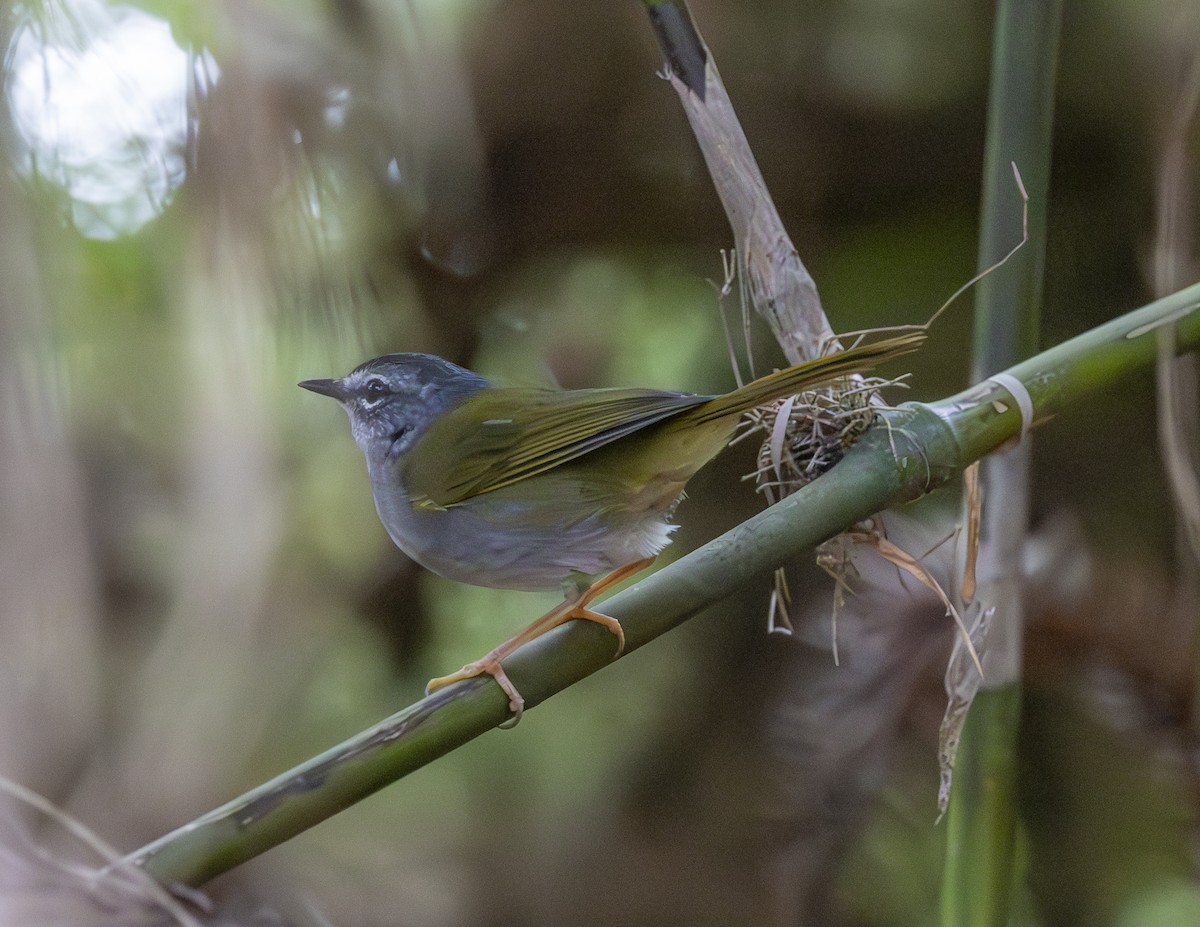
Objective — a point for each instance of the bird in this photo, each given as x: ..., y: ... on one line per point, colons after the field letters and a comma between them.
x: 541, y: 488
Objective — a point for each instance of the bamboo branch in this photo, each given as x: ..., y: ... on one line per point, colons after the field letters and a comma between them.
x: 917, y: 448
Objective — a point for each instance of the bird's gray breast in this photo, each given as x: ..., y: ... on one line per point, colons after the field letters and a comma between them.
x: 505, y: 540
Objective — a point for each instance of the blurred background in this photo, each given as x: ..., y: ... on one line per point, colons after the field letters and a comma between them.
x: 202, y: 203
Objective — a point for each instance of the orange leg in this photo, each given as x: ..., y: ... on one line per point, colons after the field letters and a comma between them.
x: 575, y: 606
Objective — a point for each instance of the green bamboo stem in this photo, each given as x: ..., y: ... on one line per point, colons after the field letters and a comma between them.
x: 1020, y: 114
x: 981, y: 826
x: 919, y: 448
x: 980, y: 840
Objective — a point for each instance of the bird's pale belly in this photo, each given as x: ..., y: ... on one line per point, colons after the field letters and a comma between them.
x: 515, y: 543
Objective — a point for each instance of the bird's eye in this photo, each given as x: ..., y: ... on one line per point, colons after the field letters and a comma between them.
x: 376, y: 389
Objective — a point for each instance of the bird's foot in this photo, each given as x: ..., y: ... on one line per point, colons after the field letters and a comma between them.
x: 575, y: 606
x: 490, y: 666
x: 605, y: 621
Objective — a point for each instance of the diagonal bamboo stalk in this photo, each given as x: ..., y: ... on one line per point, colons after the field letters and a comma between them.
x: 918, y: 448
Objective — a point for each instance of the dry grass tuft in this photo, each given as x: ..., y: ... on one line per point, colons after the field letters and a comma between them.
x: 805, y: 435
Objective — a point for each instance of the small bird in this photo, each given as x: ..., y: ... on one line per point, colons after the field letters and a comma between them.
x: 542, y: 488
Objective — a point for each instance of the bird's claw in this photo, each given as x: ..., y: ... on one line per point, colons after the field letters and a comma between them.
x: 605, y: 621
x: 516, y: 703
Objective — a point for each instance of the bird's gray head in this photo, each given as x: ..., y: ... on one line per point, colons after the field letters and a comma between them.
x: 392, y: 399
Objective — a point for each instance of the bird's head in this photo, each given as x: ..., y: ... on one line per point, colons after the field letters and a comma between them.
x: 392, y: 399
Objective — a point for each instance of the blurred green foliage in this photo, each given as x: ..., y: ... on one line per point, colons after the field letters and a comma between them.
x: 508, y: 184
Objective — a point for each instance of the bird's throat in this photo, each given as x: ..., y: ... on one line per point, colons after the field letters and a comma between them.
x: 394, y: 449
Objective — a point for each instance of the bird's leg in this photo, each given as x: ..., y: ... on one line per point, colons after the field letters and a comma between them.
x: 579, y: 594
x: 574, y: 606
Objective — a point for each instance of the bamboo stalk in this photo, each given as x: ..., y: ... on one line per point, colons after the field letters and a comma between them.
x: 916, y: 449
x: 981, y: 831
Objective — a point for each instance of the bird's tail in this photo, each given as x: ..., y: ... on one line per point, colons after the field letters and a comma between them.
x: 805, y: 376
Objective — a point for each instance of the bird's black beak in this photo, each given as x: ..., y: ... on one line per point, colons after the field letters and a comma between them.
x: 331, y: 388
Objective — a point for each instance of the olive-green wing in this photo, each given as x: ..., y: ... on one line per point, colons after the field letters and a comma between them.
x: 501, y: 436
x: 498, y: 437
